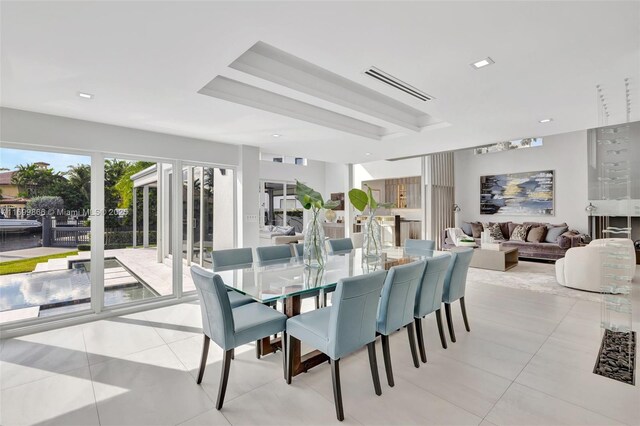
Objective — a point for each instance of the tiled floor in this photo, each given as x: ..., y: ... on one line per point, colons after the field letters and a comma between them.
x: 527, y: 360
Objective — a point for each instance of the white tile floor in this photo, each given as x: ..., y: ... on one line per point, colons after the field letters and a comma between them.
x: 527, y: 360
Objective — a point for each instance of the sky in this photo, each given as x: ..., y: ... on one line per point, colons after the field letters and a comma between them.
x: 10, y: 158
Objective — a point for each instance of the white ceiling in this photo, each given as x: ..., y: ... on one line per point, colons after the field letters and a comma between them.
x: 146, y: 61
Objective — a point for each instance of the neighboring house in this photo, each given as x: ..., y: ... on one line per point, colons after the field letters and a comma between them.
x: 7, y: 188
x: 11, y: 205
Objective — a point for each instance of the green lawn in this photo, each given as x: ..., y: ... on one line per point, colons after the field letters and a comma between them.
x: 28, y: 265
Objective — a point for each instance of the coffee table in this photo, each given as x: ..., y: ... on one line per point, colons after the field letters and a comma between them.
x: 495, y: 260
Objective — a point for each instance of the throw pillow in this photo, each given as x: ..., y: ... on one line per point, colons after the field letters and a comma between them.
x: 285, y: 230
x: 504, y: 227
x: 520, y: 233
x: 476, y: 229
x: 554, y: 232
x: 494, y: 231
x: 537, y: 234
x: 466, y: 228
x: 512, y: 227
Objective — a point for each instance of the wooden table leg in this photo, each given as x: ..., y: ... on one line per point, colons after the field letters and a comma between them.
x: 301, y: 363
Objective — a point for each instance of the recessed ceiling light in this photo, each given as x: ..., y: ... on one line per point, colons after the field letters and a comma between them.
x: 546, y: 120
x: 85, y: 95
x: 276, y: 135
x: 482, y: 63
x: 367, y: 153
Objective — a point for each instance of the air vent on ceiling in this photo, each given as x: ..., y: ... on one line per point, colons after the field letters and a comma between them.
x: 398, y: 84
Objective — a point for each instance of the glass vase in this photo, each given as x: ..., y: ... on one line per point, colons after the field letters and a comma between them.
x: 372, y: 243
x: 314, y: 252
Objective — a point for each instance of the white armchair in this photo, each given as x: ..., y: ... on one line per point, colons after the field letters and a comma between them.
x: 582, y: 267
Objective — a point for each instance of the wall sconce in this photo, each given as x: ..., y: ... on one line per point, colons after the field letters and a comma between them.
x: 590, y: 209
x: 456, y: 208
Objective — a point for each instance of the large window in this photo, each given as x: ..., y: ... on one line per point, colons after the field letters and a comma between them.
x: 136, y: 267
x: 66, y: 251
x: 44, y: 212
x: 208, y: 214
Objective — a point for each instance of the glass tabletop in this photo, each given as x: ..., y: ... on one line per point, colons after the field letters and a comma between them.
x: 279, y: 279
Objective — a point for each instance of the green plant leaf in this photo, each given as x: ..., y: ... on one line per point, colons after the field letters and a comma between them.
x: 331, y: 204
x: 386, y: 205
x: 373, y: 204
x: 359, y: 199
x: 308, y: 196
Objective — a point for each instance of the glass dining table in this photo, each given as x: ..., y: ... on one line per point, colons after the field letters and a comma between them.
x: 290, y: 281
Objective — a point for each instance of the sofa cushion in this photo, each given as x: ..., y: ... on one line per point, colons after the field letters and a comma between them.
x: 564, y: 241
x: 466, y: 228
x: 537, y: 234
x: 494, y: 231
x: 520, y: 233
x: 477, y: 229
x: 554, y: 232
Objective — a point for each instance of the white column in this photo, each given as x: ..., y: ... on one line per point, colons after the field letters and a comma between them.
x: 176, y: 227
x: 145, y: 216
x: 248, y: 184
x: 348, y: 208
x: 97, y: 232
x: 160, y: 196
x: 135, y: 224
x: 202, y: 204
x: 423, y: 195
x: 189, y: 247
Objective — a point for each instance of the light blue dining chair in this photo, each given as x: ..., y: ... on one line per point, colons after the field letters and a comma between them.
x: 396, y: 309
x: 230, y: 327
x: 229, y: 259
x: 222, y: 260
x: 342, y: 328
x: 340, y: 245
x: 277, y: 252
x: 427, y: 246
x: 429, y: 298
x: 454, y: 286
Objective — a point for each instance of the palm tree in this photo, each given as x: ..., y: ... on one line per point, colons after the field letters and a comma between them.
x: 33, y: 180
x: 79, y: 176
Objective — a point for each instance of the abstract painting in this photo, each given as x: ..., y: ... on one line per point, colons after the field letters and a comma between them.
x: 513, y: 194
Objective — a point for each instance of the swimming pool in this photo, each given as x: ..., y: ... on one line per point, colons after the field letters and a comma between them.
x: 68, y: 290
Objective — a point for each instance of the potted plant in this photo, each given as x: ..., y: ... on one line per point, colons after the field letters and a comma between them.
x: 361, y: 201
x: 314, y: 252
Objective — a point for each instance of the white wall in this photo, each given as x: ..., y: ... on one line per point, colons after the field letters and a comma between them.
x: 565, y: 153
x: 54, y: 132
